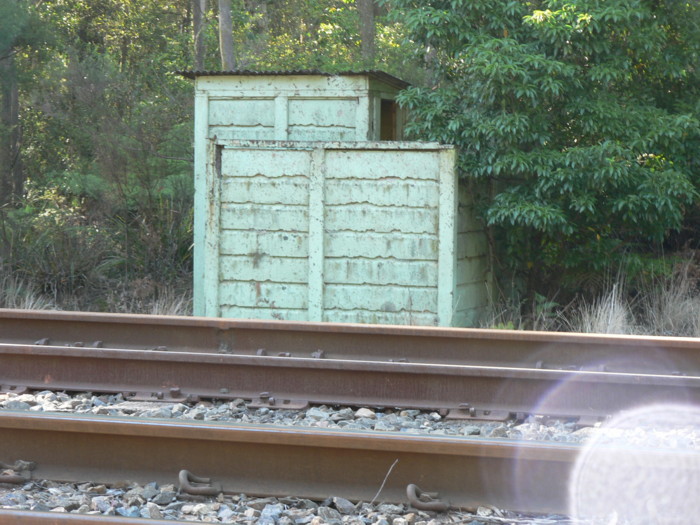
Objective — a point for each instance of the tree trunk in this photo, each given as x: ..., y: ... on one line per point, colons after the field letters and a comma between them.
x: 11, y: 173
x: 199, y: 8
x: 368, y: 31
x: 228, y: 62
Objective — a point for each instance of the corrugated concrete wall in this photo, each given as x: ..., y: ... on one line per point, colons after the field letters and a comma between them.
x: 294, y: 107
x: 264, y: 234
x: 473, y: 272
x: 344, y: 232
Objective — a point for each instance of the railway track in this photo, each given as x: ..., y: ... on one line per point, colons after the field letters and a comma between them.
x: 465, y: 374
x: 461, y: 391
x: 502, y: 348
x: 264, y: 460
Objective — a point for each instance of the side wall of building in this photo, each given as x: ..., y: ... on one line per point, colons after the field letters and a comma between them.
x: 341, y: 232
x: 474, y: 277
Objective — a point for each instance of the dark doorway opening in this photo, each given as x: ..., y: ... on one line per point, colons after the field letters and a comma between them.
x: 387, y: 129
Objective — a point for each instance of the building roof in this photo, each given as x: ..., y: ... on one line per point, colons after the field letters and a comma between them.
x: 377, y: 75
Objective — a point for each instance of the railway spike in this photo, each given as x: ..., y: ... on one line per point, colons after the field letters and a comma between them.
x: 196, y: 486
x: 425, y: 500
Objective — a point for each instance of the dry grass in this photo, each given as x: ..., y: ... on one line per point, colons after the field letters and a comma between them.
x: 18, y: 294
x: 665, y: 307
x: 170, y: 302
x: 146, y: 297
x: 672, y: 307
x: 608, y: 314
x: 139, y: 298
x: 507, y: 316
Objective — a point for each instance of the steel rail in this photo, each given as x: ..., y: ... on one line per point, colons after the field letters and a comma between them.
x: 478, y: 392
x: 351, y: 341
x: 282, y: 461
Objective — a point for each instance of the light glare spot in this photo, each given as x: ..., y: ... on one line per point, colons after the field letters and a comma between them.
x: 641, y: 467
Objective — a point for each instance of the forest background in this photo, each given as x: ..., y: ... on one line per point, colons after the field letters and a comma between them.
x: 577, y: 122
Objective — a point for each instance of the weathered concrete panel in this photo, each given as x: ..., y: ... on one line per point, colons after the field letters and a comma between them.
x: 262, y: 267
x: 238, y: 86
x: 380, y: 271
x: 366, y: 218
x: 473, y: 282
x: 365, y: 316
x: 323, y: 112
x: 471, y: 318
x: 395, y: 192
x: 467, y: 221
x: 471, y: 244
x: 261, y: 162
x: 253, y: 294
x: 265, y: 190
x: 473, y: 270
x: 242, y: 112
x: 264, y: 217
x: 474, y: 288
x: 380, y: 298
x: 370, y: 245
x: 239, y: 132
x: 265, y: 229
x: 381, y: 164
x: 321, y: 133
x: 477, y: 293
x: 296, y: 107
x: 279, y: 314
x: 345, y: 232
x: 284, y: 244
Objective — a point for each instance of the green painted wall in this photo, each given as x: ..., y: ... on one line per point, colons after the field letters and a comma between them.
x: 317, y: 220
x: 337, y: 231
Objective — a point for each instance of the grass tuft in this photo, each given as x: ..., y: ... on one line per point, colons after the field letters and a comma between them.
x: 608, y: 314
x: 671, y: 307
x: 18, y: 294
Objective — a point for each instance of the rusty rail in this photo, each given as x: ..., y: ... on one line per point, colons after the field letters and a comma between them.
x: 661, y: 355
x: 291, y: 364
x: 286, y: 382
x: 278, y: 461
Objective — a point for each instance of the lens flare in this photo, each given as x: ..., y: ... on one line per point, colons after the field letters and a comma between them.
x: 640, y: 467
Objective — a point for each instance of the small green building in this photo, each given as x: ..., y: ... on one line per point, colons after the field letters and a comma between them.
x: 309, y: 206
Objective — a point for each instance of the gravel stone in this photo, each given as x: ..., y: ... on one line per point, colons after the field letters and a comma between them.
x: 236, y: 411
x: 16, y: 404
x: 101, y: 503
x: 261, y: 503
x: 129, y: 512
x: 150, y: 491
x: 317, y: 414
x: 150, y: 501
x: 225, y: 513
x: 300, y: 516
x: 329, y: 515
x: 151, y: 510
x: 164, y: 497
x: 388, y: 508
x: 344, y: 506
x: 271, y: 512
x: 361, y: 413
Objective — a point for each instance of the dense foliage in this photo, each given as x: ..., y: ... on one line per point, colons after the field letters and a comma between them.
x: 95, y: 133
x: 577, y: 120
